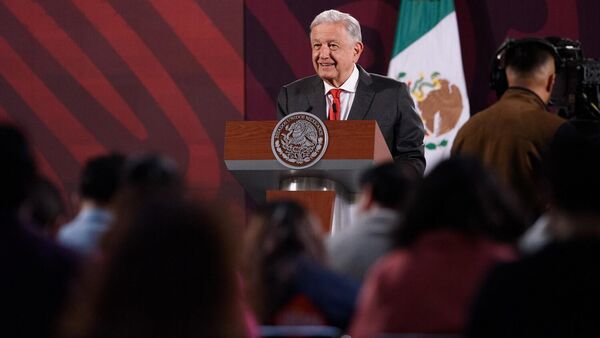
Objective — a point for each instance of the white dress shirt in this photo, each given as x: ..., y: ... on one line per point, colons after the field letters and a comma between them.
x: 346, y: 96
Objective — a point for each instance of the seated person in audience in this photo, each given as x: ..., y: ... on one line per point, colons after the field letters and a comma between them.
x: 44, y: 207
x: 100, y: 179
x: 540, y: 233
x: 36, y: 273
x: 287, y: 281
x: 169, y: 272
x: 445, y: 247
x: 145, y: 177
x: 384, y: 192
x: 151, y: 175
x: 554, y: 292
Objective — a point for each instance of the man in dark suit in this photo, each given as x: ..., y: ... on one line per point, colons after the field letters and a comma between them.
x: 342, y: 90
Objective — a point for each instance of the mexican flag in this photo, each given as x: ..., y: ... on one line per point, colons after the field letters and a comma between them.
x: 427, y: 58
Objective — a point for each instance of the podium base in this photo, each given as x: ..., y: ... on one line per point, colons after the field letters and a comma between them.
x: 322, y: 204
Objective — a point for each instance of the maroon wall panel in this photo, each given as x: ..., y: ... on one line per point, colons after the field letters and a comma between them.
x: 89, y: 76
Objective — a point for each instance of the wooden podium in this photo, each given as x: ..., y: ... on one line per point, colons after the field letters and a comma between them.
x: 353, y: 147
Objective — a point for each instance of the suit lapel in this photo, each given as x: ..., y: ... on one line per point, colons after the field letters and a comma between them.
x: 316, y: 99
x: 363, y: 97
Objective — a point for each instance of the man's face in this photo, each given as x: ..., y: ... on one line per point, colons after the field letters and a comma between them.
x: 334, y: 52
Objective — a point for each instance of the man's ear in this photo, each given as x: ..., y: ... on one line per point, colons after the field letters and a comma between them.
x: 358, y: 49
x: 550, y: 82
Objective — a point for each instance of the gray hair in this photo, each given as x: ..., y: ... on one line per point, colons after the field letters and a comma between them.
x: 333, y: 16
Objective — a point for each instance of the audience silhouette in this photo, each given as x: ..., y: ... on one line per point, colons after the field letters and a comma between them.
x: 35, y: 272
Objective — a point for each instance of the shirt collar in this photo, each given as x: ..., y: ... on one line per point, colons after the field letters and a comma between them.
x: 348, y: 86
x: 536, y: 97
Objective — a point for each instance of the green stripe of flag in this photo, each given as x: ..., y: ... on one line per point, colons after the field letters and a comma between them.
x: 417, y: 17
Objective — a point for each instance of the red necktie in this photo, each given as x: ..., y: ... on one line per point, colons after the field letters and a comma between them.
x: 336, y: 106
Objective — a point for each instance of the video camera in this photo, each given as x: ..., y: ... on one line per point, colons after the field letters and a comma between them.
x: 576, y: 92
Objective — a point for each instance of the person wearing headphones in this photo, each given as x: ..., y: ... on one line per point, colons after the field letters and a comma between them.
x: 510, y: 136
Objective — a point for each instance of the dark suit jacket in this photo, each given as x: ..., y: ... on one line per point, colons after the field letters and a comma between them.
x: 378, y: 98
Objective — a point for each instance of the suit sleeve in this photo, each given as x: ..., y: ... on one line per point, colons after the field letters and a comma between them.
x: 409, y: 133
x: 282, y: 99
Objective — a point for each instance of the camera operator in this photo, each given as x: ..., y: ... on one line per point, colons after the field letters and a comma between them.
x: 510, y: 136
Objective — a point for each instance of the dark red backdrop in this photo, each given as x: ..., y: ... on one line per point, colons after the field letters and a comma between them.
x: 87, y: 76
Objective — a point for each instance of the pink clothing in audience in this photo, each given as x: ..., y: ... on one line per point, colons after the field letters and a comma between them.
x: 428, y: 287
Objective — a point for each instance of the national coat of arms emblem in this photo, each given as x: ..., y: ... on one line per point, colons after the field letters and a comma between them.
x: 440, y: 104
x: 299, y: 140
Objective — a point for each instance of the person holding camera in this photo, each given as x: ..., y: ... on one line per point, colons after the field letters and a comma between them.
x: 511, y: 136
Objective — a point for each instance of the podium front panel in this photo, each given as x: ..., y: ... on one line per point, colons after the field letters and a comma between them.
x: 353, y: 147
